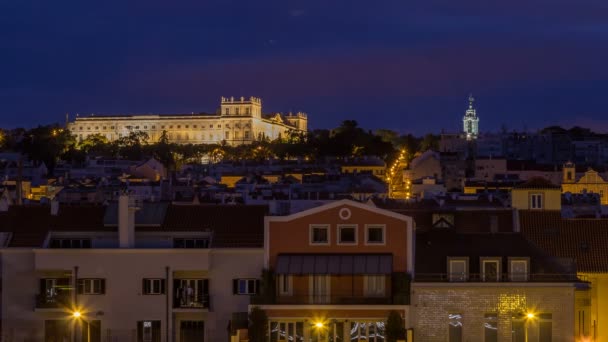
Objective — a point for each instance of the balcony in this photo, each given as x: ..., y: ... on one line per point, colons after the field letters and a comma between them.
x: 332, y: 299
x: 194, y: 302
x: 49, y: 300
x: 502, y: 277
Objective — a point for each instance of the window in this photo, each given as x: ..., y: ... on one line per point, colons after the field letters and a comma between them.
x: 374, y: 285
x: 194, y: 126
x: 518, y: 327
x: 153, y: 286
x: 187, y: 126
x: 70, y: 243
x: 162, y: 127
x: 191, y: 293
x: 148, y: 331
x: 244, y: 286
x: 112, y: 127
x: 136, y: 127
x: 90, y: 331
x: 455, y: 328
x: 490, y: 269
x: 171, y: 126
x: 210, y: 126
x: 319, y: 235
x: 236, y: 111
x: 145, y: 127
x: 93, y: 286
x: 518, y: 269
x: 246, y: 134
x: 490, y: 327
x: 219, y: 126
x: 227, y: 111
x: 545, y: 326
x: 285, y: 284
x: 153, y: 127
x: 536, y: 201
x: 458, y: 269
x: 191, y: 243
x: 227, y: 136
x: 374, y: 234
x: 347, y: 234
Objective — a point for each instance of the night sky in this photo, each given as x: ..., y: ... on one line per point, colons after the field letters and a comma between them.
x: 402, y: 65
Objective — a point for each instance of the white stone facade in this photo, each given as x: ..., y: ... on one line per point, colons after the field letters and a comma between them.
x: 238, y: 121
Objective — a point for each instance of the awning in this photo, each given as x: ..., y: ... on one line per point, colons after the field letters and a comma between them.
x: 334, y: 264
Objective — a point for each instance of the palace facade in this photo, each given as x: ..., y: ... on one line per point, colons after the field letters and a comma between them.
x: 238, y: 121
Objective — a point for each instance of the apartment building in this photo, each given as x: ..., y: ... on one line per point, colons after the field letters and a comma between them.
x: 335, y: 272
x: 139, y: 272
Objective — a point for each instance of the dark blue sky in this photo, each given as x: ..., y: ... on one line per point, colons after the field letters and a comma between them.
x: 396, y: 64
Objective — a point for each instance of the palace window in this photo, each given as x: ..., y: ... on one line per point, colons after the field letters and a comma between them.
x: 227, y: 135
x: 136, y: 127
x: 104, y: 127
x: 374, y: 234
x: 347, y: 234
x: 70, y: 243
x: 153, y: 127
x: 179, y: 126
x: 210, y: 126
x: 187, y: 126
x: 490, y: 269
x: 219, y: 126
x: 162, y: 127
x: 96, y: 128
x: 227, y: 111
x: 193, y: 126
x: 171, y: 126
x: 112, y: 127
x: 236, y: 111
x: 246, y: 134
x: 319, y: 234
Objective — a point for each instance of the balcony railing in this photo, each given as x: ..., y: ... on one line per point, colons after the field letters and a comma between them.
x: 333, y: 299
x: 502, y: 277
x: 195, y: 302
x: 53, y: 301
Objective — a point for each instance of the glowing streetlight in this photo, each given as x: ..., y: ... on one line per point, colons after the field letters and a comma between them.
x: 530, y: 315
x: 319, y: 325
x: 76, y: 314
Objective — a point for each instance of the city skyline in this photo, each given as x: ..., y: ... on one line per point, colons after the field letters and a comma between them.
x: 390, y: 65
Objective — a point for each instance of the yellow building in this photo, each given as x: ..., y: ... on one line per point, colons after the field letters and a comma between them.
x: 238, y: 121
x: 536, y: 194
x: 585, y: 241
x: 590, y: 182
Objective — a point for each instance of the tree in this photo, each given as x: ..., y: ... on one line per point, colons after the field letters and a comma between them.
x: 395, y: 327
x: 258, y: 325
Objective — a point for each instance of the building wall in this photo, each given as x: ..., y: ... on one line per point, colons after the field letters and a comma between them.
x: 123, y: 304
x: 228, y: 125
x: 432, y: 303
x: 591, y: 181
x: 294, y: 236
x: 552, y: 200
x: 598, y: 323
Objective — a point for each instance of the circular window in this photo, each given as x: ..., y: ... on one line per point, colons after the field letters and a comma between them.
x: 344, y: 213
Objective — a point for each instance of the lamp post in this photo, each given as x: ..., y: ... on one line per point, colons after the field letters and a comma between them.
x: 529, y: 316
x: 77, y: 315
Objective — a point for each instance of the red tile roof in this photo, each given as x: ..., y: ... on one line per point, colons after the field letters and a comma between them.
x: 585, y: 240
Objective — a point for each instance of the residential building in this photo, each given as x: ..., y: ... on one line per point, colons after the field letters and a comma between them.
x: 134, y: 271
x: 238, y: 121
x: 335, y: 272
x: 590, y: 182
x: 536, y: 194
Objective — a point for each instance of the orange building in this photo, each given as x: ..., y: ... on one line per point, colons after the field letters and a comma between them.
x: 335, y: 272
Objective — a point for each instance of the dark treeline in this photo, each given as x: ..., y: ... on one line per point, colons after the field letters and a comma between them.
x: 52, y: 143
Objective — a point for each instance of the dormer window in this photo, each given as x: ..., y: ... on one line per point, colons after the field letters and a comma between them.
x: 519, y: 269
x: 458, y: 268
x: 347, y: 234
x: 490, y: 269
x: 319, y: 234
x: 375, y: 234
x: 536, y: 201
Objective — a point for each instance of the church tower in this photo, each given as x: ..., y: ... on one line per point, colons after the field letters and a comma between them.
x: 471, y: 121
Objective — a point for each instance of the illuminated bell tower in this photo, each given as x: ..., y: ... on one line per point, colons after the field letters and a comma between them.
x: 471, y: 121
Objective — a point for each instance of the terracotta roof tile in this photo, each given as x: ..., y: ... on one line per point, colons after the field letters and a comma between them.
x: 585, y: 240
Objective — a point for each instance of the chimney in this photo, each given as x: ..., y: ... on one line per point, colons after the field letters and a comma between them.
x: 126, y: 221
x: 54, y: 207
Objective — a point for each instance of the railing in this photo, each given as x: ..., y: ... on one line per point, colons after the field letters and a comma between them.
x: 334, y: 299
x: 194, y: 302
x: 51, y: 301
x: 502, y: 277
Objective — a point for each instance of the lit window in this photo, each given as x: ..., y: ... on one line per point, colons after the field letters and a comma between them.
x: 374, y: 234
x: 347, y: 234
x: 319, y: 235
x: 374, y: 285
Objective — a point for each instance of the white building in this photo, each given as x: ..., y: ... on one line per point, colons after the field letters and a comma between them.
x: 470, y: 121
x: 150, y: 273
x: 238, y: 121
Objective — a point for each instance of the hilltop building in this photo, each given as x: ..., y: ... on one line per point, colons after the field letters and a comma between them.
x: 238, y: 121
x: 471, y: 121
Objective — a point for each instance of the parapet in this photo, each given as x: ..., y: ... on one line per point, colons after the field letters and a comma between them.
x: 241, y: 100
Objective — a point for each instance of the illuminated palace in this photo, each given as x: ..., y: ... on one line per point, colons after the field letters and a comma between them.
x: 238, y: 121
